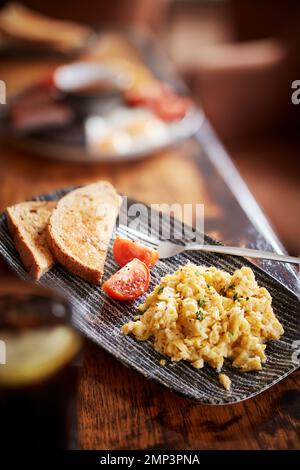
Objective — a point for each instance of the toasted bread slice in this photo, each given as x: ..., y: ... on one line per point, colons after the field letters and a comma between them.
x: 27, y: 224
x: 20, y: 23
x: 80, y: 229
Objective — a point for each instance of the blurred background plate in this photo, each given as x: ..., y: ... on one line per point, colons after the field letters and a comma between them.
x: 78, y: 143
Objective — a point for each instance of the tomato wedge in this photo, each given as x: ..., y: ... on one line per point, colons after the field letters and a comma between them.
x: 144, y: 95
x: 161, y: 99
x: 125, y: 250
x: 172, y: 108
x: 129, y: 282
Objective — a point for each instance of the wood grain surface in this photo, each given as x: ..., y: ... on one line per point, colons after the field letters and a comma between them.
x: 118, y: 408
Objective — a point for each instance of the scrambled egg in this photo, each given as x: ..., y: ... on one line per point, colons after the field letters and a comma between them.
x: 203, y: 314
x: 225, y: 381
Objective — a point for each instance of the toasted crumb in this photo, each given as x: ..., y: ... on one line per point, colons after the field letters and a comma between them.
x: 198, y: 364
x: 162, y: 362
x: 225, y: 381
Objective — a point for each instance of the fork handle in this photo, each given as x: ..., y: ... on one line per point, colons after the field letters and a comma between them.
x: 248, y: 252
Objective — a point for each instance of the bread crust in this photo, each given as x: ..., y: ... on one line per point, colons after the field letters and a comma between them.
x: 57, y: 234
x: 34, y: 266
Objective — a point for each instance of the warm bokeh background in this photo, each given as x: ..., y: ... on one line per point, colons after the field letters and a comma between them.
x: 239, y: 59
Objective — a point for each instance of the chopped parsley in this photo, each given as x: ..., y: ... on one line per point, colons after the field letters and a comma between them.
x: 223, y: 291
x: 160, y: 290
x: 201, y: 302
x: 200, y: 315
x: 235, y: 297
x: 197, y: 272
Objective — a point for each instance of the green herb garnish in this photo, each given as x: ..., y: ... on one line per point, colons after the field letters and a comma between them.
x: 201, y: 302
x: 232, y: 286
x: 160, y: 290
x: 235, y: 297
x: 200, y: 315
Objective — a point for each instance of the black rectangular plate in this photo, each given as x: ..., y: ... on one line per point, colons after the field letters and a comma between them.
x: 100, y: 319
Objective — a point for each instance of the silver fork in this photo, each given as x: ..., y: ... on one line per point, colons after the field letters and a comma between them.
x: 168, y: 249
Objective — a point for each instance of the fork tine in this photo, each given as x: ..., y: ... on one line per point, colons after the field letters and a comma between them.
x: 139, y: 238
x: 136, y: 234
x: 130, y: 232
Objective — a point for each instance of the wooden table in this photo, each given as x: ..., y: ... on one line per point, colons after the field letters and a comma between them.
x: 118, y: 408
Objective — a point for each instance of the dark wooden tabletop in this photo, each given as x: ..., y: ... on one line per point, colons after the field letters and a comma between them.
x: 118, y: 408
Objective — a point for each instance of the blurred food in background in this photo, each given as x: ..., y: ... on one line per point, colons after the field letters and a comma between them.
x: 21, y: 27
x: 106, y: 106
x: 238, y: 58
x: 102, y: 14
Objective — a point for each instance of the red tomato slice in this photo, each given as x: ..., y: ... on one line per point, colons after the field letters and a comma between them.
x: 144, y: 95
x: 129, y: 282
x: 126, y: 250
x: 161, y: 99
x: 171, y: 108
